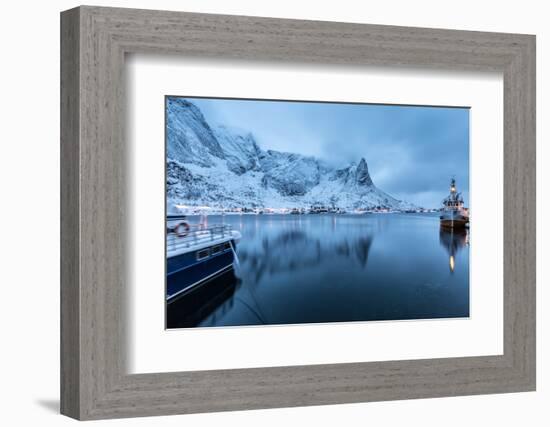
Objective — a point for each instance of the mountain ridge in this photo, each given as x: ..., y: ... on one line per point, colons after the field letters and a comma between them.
x: 224, y: 167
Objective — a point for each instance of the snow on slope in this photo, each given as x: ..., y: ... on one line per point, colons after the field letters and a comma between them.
x: 189, y: 137
x: 241, y: 151
x: 224, y: 167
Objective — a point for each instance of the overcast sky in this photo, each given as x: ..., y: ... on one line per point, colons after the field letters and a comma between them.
x: 411, y: 152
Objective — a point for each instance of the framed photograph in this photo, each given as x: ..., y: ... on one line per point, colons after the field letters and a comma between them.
x: 270, y: 220
x: 263, y: 213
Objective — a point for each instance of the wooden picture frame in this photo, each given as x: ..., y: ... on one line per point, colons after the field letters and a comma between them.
x: 94, y: 382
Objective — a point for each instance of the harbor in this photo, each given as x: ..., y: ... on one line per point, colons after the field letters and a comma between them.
x: 330, y: 268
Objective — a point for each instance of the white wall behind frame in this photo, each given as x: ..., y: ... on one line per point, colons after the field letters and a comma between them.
x: 29, y: 179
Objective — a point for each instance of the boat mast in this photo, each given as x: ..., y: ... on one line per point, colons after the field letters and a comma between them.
x: 453, y: 186
x: 452, y: 200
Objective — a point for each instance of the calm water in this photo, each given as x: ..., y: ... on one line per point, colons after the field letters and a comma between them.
x: 337, y: 268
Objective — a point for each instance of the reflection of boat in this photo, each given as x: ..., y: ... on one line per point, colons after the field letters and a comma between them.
x: 454, y: 214
x: 453, y: 240
x: 200, y: 302
x: 196, y: 254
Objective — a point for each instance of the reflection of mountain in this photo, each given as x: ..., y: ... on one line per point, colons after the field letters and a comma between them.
x: 297, y: 250
x: 453, y: 240
x: 292, y: 252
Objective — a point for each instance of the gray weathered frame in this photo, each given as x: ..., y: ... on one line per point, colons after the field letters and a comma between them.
x: 94, y: 41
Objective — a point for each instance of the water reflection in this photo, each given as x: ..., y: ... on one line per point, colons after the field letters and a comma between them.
x: 337, y: 268
x: 297, y: 250
x: 453, y: 240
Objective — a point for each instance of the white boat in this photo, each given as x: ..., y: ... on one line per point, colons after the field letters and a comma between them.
x: 454, y: 214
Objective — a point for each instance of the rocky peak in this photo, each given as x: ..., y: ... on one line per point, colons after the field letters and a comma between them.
x: 189, y: 135
x: 362, y: 176
x: 240, y: 149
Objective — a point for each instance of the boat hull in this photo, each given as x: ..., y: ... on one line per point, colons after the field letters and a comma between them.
x: 186, y: 271
x: 454, y: 223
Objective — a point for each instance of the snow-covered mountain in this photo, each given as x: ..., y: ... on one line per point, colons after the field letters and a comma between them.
x: 224, y: 167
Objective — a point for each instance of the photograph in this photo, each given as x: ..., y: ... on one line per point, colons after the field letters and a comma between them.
x: 293, y: 212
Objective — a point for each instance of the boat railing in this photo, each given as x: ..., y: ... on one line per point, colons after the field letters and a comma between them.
x: 195, y: 235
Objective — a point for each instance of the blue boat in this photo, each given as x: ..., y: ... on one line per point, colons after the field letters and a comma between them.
x: 196, y: 254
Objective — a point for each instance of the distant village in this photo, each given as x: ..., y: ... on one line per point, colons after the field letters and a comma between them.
x: 314, y: 209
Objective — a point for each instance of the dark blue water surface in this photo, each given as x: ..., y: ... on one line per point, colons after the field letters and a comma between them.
x: 339, y: 268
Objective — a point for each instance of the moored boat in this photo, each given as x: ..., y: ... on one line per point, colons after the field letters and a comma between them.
x: 454, y: 214
x: 196, y: 254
